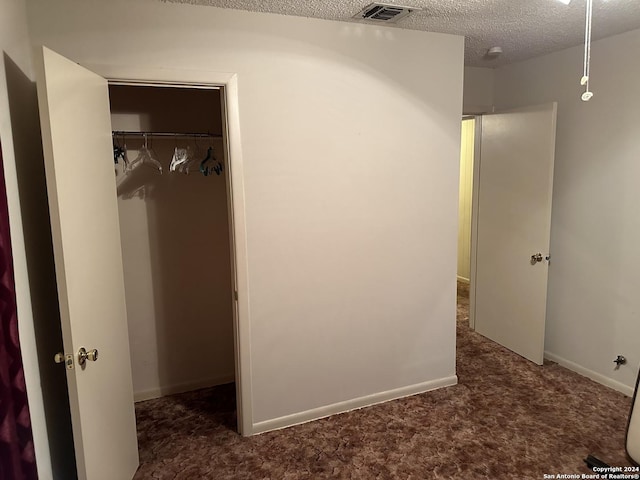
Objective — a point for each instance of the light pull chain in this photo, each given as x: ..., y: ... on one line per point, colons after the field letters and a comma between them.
x: 586, y: 96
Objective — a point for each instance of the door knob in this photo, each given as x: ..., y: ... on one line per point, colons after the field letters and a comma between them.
x: 83, y: 356
x: 536, y: 258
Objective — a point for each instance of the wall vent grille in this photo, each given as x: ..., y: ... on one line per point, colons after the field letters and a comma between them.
x: 381, y: 12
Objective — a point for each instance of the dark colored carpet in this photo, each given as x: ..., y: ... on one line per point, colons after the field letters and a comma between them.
x: 506, y: 419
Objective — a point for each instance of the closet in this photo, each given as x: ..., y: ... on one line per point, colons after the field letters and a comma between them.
x: 174, y: 228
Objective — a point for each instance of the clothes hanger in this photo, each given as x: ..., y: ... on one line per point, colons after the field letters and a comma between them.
x: 125, y: 152
x: 210, y: 164
x: 180, y: 157
x: 185, y: 166
x: 145, y: 157
x: 118, y: 152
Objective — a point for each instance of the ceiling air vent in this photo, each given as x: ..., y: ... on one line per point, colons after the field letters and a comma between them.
x: 381, y: 12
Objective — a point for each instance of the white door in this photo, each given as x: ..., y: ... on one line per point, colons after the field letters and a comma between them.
x: 514, y: 222
x: 76, y: 133
x: 633, y: 429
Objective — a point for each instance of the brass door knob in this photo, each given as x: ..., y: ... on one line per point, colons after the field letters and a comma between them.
x: 536, y: 258
x: 83, y: 356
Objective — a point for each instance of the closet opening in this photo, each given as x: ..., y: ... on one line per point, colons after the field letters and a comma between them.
x: 175, y: 211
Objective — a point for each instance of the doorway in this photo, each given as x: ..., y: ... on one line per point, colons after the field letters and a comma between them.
x: 465, y: 203
x: 174, y: 206
x: 510, y: 226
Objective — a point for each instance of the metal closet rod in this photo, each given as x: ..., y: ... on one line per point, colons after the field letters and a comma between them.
x: 121, y: 133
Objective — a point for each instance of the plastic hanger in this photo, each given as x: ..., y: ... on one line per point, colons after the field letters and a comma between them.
x: 120, y: 151
x: 145, y: 157
x: 210, y: 164
x: 180, y: 157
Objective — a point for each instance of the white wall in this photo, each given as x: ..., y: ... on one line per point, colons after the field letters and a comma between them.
x: 594, y: 276
x: 350, y: 141
x: 478, y: 90
x: 175, y: 245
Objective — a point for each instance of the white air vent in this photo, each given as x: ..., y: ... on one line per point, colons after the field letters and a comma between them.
x: 381, y: 12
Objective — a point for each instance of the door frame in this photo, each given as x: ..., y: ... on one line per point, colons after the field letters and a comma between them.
x: 234, y: 177
x: 474, y: 218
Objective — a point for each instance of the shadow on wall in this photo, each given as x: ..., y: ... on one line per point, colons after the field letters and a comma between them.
x: 190, y: 270
x: 192, y: 278
x: 25, y: 124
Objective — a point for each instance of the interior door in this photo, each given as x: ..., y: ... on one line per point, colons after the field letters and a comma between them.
x: 513, y: 228
x: 76, y: 133
x: 633, y: 428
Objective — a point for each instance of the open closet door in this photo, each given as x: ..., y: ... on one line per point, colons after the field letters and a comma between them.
x: 76, y: 133
x: 513, y: 228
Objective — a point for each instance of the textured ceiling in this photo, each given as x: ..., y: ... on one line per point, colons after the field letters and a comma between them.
x: 523, y: 28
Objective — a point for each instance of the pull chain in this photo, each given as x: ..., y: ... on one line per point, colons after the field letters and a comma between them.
x: 586, y: 96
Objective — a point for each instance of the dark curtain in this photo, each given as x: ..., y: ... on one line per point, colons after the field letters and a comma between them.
x: 17, y: 456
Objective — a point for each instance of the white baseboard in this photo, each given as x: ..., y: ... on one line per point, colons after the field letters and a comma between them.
x: 354, y: 404
x: 182, y: 387
x: 595, y: 376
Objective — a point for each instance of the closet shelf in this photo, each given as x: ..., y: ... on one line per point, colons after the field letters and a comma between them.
x: 122, y: 133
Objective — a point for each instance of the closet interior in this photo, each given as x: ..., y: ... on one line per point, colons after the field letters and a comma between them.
x: 174, y: 204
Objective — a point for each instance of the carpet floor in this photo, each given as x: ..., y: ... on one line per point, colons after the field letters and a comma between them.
x: 506, y: 419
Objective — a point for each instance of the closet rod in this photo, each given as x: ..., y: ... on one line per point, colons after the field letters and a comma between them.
x: 120, y: 133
